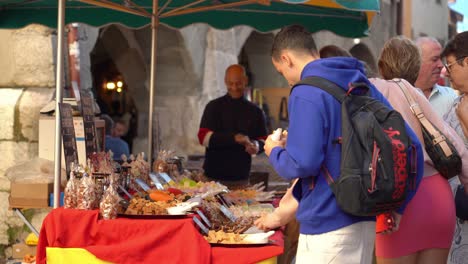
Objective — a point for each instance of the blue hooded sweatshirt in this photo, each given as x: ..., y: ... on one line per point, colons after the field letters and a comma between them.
x: 314, y: 122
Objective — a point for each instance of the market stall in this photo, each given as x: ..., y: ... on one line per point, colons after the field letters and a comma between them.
x: 345, y: 18
x: 158, y: 238
x: 125, y: 240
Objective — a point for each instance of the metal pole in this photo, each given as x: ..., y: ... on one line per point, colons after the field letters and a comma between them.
x: 58, y: 99
x: 30, y: 226
x: 154, y: 45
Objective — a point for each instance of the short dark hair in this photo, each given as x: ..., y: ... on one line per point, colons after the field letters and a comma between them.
x: 457, y: 46
x: 109, y: 123
x: 333, y: 51
x: 294, y: 37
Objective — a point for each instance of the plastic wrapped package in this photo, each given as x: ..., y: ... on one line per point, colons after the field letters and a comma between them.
x: 109, y: 205
x: 86, y: 196
x: 70, y: 192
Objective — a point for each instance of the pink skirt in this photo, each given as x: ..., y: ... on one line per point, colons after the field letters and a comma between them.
x: 428, y: 221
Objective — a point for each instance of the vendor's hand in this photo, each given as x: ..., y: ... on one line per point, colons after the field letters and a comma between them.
x: 241, y: 139
x: 270, y: 144
x: 267, y: 222
x: 251, y: 148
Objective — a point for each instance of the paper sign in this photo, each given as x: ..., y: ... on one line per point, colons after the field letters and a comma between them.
x: 203, y: 228
x: 68, y: 136
x: 142, y: 184
x: 155, y: 180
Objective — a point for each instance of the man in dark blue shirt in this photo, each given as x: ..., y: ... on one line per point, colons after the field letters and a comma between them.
x: 115, y: 144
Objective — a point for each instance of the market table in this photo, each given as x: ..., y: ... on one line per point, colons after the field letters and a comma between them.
x: 124, y: 240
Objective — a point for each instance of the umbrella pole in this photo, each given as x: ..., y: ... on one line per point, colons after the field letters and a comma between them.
x: 154, y: 45
x: 58, y: 99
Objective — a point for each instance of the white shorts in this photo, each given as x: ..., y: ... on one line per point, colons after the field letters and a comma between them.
x: 347, y: 245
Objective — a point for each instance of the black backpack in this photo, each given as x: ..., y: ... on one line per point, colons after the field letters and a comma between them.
x: 378, y: 164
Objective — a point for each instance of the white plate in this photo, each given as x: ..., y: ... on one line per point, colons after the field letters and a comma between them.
x: 257, y: 238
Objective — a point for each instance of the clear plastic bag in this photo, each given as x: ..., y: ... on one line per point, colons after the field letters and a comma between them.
x: 36, y: 170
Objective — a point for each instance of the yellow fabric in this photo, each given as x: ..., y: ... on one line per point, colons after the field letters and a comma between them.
x: 324, y: 3
x: 82, y: 256
x: 31, y: 239
x: 71, y: 256
x: 333, y: 4
x: 268, y: 261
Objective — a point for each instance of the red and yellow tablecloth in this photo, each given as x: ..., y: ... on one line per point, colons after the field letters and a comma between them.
x: 125, y: 240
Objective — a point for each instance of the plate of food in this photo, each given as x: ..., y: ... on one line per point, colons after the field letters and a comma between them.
x: 227, y: 239
x: 149, y: 216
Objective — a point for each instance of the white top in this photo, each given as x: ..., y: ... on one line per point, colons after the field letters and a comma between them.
x: 441, y: 99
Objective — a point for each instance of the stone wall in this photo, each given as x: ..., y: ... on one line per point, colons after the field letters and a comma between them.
x: 27, y: 84
x: 25, y: 87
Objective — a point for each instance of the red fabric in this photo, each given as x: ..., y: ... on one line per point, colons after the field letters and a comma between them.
x: 141, y: 241
x: 428, y: 221
x: 202, y: 133
x: 123, y: 240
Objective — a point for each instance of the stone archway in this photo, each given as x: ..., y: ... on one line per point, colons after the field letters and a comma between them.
x: 176, y: 82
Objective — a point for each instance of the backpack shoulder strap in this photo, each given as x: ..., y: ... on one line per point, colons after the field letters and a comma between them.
x: 324, y: 84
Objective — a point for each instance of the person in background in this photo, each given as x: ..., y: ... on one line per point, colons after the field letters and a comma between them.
x: 362, y: 52
x: 333, y: 51
x: 112, y: 143
x: 120, y: 128
x: 284, y: 214
x: 426, y: 228
x: 440, y: 97
x: 327, y: 233
x: 455, y: 55
x: 232, y: 129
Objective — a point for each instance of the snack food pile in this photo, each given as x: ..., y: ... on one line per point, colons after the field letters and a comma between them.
x: 129, y: 190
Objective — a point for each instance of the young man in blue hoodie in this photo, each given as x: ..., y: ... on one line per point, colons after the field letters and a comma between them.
x: 327, y: 234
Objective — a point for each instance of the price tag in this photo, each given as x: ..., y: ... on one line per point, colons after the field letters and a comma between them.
x: 166, y: 178
x: 203, y: 217
x: 142, y: 184
x: 156, y: 182
x: 228, y: 213
x: 203, y: 228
